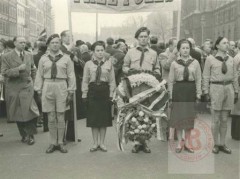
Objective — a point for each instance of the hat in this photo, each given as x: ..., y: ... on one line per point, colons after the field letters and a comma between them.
x: 142, y: 29
x: 53, y: 36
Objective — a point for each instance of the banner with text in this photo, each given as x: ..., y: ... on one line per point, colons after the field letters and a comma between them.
x: 119, y: 6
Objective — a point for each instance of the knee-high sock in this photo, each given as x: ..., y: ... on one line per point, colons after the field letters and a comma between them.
x: 60, y: 126
x: 223, y: 126
x: 216, y: 115
x: 52, y: 125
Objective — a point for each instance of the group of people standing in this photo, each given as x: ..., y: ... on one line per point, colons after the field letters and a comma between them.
x: 194, y: 76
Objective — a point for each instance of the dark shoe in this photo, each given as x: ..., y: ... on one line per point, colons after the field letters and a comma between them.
x: 215, y: 149
x: 31, y: 140
x: 225, y: 149
x: 62, y: 149
x: 51, y: 149
x: 24, y: 140
x: 136, y: 148
x: 1, y: 134
x: 178, y: 150
x: 146, y: 149
x: 188, y: 149
x: 102, y: 148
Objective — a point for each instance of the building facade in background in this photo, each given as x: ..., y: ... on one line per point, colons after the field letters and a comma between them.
x: 26, y: 18
x: 208, y: 19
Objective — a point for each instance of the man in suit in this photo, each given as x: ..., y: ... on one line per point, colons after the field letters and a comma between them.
x: 19, y: 70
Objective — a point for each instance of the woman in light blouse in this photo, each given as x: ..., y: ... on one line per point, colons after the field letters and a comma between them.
x: 185, y: 91
x: 97, y: 90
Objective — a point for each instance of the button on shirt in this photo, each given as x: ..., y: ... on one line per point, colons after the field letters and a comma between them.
x: 176, y: 74
x: 213, y: 73
x: 132, y: 60
x: 89, y: 75
x: 65, y: 70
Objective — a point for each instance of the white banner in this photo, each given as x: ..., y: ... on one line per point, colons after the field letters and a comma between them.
x: 119, y: 6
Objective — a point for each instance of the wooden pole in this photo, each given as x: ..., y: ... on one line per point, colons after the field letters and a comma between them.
x: 179, y: 20
x: 96, y: 26
x: 74, y: 95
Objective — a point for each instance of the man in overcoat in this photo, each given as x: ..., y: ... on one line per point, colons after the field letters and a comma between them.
x: 19, y: 70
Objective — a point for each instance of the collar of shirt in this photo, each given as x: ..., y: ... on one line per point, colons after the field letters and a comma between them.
x: 68, y: 47
x: 179, y: 58
x: 94, y: 59
x: 18, y: 52
x: 147, y: 47
x: 58, y: 53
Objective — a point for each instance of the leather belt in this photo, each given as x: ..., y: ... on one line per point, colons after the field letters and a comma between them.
x: 222, y: 82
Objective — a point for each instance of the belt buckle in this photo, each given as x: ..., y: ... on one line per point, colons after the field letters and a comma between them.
x: 224, y: 83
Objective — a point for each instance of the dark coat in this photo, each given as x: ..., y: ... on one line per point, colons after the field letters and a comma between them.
x: 196, y: 55
x: 37, y: 57
x: 109, y: 49
x: 19, y: 87
x: 118, y: 59
x: 156, y: 48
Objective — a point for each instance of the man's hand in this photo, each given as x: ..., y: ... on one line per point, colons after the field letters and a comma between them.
x: 69, y: 99
x: 22, y: 67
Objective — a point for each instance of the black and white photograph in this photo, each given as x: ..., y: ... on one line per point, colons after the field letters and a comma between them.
x: 119, y: 89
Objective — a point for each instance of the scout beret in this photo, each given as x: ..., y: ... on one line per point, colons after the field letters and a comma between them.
x: 142, y: 29
x: 53, y: 36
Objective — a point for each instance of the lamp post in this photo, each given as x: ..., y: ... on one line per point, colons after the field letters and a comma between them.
x: 203, y: 23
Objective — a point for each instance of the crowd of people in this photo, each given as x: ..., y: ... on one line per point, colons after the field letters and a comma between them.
x: 40, y: 83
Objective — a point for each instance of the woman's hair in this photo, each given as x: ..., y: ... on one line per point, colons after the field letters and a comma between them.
x: 219, y: 39
x: 183, y: 41
x: 97, y: 43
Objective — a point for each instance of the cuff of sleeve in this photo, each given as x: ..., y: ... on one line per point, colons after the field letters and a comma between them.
x: 39, y: 92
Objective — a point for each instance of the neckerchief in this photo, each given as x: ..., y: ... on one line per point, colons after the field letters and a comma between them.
x: 99, y: 70
x: 143, y: 50
x: 186, y: 70
x: 224, y: 65
x: 54, y: 66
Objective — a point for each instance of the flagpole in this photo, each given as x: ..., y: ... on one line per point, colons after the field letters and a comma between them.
x: 179, y: 20
x: 74, y: 95
x: 96, y: 26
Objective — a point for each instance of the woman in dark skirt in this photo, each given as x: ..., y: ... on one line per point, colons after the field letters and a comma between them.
x: 97, y: 90
x: 185, y: 91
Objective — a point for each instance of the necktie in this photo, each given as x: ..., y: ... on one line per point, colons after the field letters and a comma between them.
x: 54, y: 66
x: 99, y: 70
x: 143, y: 50
x: 21, y: 56
x: 224, y: 65
x: 186, y: 70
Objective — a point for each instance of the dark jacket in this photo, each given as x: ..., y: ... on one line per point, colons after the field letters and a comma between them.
x: 109, y: 49
x: 37, y: 57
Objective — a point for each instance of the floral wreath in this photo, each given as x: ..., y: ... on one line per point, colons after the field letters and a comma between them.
x: 136, y: 122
